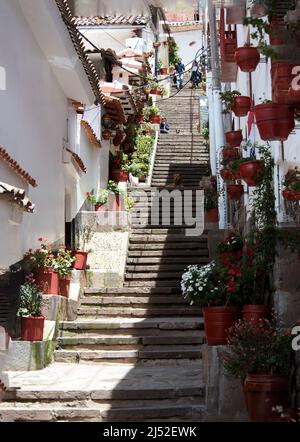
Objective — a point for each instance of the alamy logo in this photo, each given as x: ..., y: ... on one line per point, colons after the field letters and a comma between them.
x: 296, y: 79
x: 296, y: 339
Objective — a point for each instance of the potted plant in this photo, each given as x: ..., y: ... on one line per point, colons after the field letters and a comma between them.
x: 80, y: 253
x: 234, y: 167
x: 106, y: 134
x: 260, y: 357
x: 274, y: 121
x: 115, y: 198
x: 235, y: 191
x: 120, y: 167
x: 226, y: 174
x: 251, y: 171
x: 214, y: 290
x: 153, y: 114
x: 229, y: 154
x: 41, y: 263
x: 234, y: 137
x: 247, y: 58
x: 63, y: 265
x: 99, y: 200
x: 156, y: 44
x: 29, y: 310
x: 211, y: 204
x: 234, y: 101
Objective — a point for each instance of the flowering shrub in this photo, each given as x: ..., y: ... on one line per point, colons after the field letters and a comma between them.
x: 41, y: 257
x: 100, y: 198
x: 232, y: 243
x: 208, y: 285
x: 30, y: 298
x: 257, y: 349
x: 63, y: 262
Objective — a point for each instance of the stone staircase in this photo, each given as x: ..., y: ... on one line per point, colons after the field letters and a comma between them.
x: 134, y: 352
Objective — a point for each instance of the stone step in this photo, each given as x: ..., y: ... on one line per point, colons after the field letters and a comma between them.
x: 180, y: 255
x: 82, y: 356
x: 121, y: 291
x: 155, y: 283
x: 191, y: 246
x: 182, y: 412
x: 136, y: 312
x: 167, y: 238
x: 160, y: 267
x: 165, y: 261
x: 132, y: 301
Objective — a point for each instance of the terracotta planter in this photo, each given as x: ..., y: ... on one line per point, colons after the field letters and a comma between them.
x: 247, y: 58
x: 171, y: 70
x: 226, y: 174
x: 164, y: 71
x: 252, y: 171
x: 241, y: 106
x: 212, y: 215
x: 47, y: 281
x: 154, y: 119
x: 234, y: 137
x: 106, y: 134
x: 235, y: 191
x: 64, y: 286
x: 119, y: 175
x: 274, y: 121
x: 230, y: 153
x: 217, y: 322
x: 295, y: 196
x: 32, y: 328
x: 254, y: 312
x: 80, y: 260
x: 115, y: 202
x: 288, y: 194
x: 155, y: 92
x: 263, y: 393
x: 100, y: 207
x: 140, y: 118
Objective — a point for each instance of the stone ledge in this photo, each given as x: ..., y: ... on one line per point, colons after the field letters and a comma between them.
x: 25, y: 356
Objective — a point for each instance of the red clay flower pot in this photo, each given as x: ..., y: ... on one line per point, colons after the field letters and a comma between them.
x: 80, y: 260
x: 155, y: 92
x: 64, y: 286
x: 235, y: 191
x: 119, y: 175
x: 251, y: 172
x: 241, y: 106
x: 295, y: 196
x: 226, y: 174
x: 171, y: 70
x: 217, y: 322
x: 106, y: 134
x: 274, y: 121
x: 247, y: 58
x: 212, y: 215
x: 263, y: 393
x: 254, y: 312
x: 155, y: 119
x: 288, y: 194
x: 140, y: 118
x: 47, y: 281
x: 164, y: 71
x: 234, y: 137
x: 32, y: 328
x: 230, y: 153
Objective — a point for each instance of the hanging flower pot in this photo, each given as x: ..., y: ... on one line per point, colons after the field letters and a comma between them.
x: 241, y: 106
x: 230, y: 153
x: 80, y: 260
x: 274, y: 121
x: 164, y: 71
x: 255, y: 312
x: 226, y: 174
x: 64, y: 286
x: 247, y: 58
x: 212, y: 215
x: 258, y: 10
x: 251, y: 172
x: 119, y: 175
x: 47, y: 281
x: 234, y: 137
x: 140, y: 118
x: 217, y: 322
x: 106, y: 134
x: 235, y: 191
x: 32, y: 328
x: 118, y: 139
x: 288, y: 194
x: 155, y: 119
x: 264, y: 392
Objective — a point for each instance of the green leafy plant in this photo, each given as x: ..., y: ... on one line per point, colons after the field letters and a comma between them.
x: 227, y: 98
x: 151, y: 110
x: 63, y: 262
x: 113, y: 187
x: 173, y: 52
x: 100, y: 197
x: 41, y: 257
x: 30, y: 298
x: 257, y: 349
x: 211, y: 197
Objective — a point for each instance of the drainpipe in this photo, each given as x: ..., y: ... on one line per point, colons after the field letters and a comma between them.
x: 217, y: 110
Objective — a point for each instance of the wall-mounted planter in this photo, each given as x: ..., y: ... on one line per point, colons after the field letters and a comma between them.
x: 226, y: 174
x: 234, y: 137
x: 235, y: 191
x: 247, y: 58
x: 155, y: 119
x: 241, y: 106
x: 288, y: 194
x: 47, y: 281
x: 80, y: 260
x: 274, y: 121
x: 230, y: 153
x: 32, y: 328
x: 251, y: 172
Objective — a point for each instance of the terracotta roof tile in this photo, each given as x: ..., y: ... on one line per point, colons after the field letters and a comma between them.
x: 17, y: 195
x: 133, y: 20
x: 90, y: 134
x: 16, y: 167
x: 77, y: 159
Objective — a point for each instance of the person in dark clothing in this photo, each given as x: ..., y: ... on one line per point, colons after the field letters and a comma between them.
x: 196, y: 75
x: 164, y: 126
x: 179, y: 71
